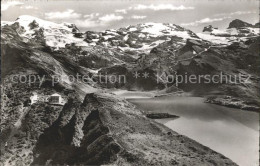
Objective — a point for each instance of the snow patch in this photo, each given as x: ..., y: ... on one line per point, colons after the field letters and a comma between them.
x: 56, y: 35
x: 132, y: 29
x: 126, y: 37
x: 213, y: 39
x: 219, y: 32
x: 108, y: 37
x: 159, y: 29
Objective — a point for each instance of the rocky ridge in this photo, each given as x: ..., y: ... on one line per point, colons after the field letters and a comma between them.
x: 100, y: 130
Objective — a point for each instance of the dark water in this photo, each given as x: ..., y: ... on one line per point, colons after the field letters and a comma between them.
x: 231, y: 132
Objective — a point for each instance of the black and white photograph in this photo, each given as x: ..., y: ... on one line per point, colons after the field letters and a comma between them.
x: 130, y: 83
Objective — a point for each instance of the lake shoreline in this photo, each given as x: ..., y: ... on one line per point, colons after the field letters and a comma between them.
x: 208, y: 124
x: 225, y: 101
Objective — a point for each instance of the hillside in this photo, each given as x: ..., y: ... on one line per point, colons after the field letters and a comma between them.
x: 100, y: 130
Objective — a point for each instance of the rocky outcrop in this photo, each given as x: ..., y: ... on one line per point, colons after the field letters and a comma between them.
x: 209, y: 28
x: 239, y: 24
x: 160, y: 115
x: 33, y: 25
x: 257, y: 25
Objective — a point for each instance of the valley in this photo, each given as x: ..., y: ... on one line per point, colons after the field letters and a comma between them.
x: 97, y: 125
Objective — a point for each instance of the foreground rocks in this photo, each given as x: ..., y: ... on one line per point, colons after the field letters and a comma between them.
x: 101, y: 130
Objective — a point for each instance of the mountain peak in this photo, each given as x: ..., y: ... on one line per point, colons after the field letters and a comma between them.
x: 27, y: 17
x: 208, y: 28
x: 25, y: 20
x: 238, y: 24
x: 55, y: 34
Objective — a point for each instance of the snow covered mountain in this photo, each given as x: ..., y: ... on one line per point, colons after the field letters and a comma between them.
x: 159, y: 47
x: 237, y: 30
x: 141, y: 36
x: 55, y: 35
x: 153, y: 47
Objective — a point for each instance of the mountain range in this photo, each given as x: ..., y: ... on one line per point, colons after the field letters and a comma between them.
x: 91, y: 127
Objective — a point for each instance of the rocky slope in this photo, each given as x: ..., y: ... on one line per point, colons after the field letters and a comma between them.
x: 100, y: 130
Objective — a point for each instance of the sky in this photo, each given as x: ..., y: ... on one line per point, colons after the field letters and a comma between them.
x: 113, y: 14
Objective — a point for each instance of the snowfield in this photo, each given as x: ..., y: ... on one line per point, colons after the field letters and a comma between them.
x: 139, y: 37
x: 56, y: 35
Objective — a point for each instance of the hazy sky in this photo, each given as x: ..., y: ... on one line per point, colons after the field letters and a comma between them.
x: 107, y: 14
